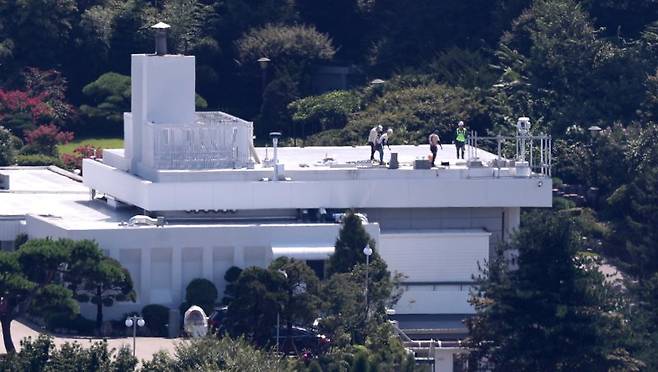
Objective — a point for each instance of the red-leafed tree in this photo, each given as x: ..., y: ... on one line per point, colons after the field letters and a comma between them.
x: 44, y: 140
x: 19, y: 111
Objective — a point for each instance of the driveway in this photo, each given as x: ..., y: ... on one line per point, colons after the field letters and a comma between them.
x: 146, y: 346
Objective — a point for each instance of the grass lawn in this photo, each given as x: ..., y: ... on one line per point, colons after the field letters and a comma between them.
x: 105, y: 143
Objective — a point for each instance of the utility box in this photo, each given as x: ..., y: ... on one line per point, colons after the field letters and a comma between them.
x: 4, y: 181
x: 393, y: 163
x: 422, y: 164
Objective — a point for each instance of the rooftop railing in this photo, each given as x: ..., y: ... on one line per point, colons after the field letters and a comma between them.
x: 533, y: 151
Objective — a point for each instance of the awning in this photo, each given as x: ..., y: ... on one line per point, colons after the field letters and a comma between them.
x: 303, y: 252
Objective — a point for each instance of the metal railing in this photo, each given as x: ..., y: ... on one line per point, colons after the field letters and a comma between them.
x: 513, y: 151
x: 215, y: 140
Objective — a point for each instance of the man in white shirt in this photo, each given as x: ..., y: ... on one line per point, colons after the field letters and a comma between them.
x: 381, y: 142
x: 373, y: 137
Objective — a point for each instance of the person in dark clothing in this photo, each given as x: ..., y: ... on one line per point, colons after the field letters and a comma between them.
x: 373, y: 137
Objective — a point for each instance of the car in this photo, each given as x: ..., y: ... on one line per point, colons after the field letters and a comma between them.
x: 303, y: 340
x: 216, y: 320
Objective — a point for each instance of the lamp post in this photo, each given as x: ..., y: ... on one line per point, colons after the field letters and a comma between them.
x: 278, y: 311
x: 594, y: 189
x: 263, y: 62
x: 134, y: 321
x: 367, y: 251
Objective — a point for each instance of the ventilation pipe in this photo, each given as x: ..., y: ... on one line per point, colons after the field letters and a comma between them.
x: 275, y: 160
x: 160, y: 38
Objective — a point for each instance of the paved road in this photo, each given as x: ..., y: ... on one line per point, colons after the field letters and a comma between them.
x: 146, y: 346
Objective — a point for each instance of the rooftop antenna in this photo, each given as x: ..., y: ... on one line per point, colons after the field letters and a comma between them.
x: 275, y: 142
x: 160, y: 38
x: 523, y: 129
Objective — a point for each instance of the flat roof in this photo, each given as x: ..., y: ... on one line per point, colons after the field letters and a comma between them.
x: 294, y: 157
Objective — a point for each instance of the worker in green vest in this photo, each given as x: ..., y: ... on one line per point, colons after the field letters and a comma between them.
x: 460, y: 140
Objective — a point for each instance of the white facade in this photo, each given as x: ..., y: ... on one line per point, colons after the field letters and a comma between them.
x: 224, y: 207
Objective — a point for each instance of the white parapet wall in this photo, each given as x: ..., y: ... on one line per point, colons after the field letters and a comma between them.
x: 336, y: 188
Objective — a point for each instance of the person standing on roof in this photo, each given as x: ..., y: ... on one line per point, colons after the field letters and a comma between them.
x: 381, y: 142
x: 434, y: 141
x: 460, y: 140
x: 373, y: 137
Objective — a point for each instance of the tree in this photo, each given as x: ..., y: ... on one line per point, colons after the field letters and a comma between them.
x: 186, y: 18
x: 41, y: 354
x: 46, y: 22
x: 201, y: 292
x: 30, y: 283
x: 231, y: 276
x: 300, y: 301
x: 412, y: 106
x: 328, y: 111
x: 108, y: 98
x: 7, y: 149
x: 287, y: 287
x: 285, y: 43
x: 98, y: 279
x: 553, y: 65
x: 252, y: 312
x: 352, y: 238
x: 556, y: 300
x: 44, y: 140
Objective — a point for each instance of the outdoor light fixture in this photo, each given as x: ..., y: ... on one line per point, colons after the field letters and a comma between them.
x: 135, y: 321
x: 368, y: 252
x: 377, y: 82
x: 594, y: 130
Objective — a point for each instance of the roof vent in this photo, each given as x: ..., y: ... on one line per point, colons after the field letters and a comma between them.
x: 160, y: 38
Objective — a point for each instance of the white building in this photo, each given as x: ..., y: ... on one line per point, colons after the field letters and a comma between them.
x: 223, y: 205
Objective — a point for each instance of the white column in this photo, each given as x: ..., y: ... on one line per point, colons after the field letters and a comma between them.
x: 145, y: 291
x: 177, y: 275
x: 207, y: 263
x: 238, y: 256
x: 512, y: 221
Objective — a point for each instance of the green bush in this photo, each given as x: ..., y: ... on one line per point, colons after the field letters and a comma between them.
x: 203, y: 293
x: 327, y: 111
x: 156, y: 318
x: 7, y: 149
x: 77, y: 324
x: 38, y: 160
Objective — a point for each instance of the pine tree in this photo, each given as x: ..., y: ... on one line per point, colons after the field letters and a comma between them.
x: 554, y: 313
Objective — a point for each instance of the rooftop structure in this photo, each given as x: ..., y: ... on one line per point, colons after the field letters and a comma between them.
x: 190, y: 196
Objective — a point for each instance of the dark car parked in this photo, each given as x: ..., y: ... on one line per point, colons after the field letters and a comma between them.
x: 216, y: 320
x: 301, y: 340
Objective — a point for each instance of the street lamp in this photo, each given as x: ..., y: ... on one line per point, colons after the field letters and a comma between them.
x: 278, y: 310
x: 134, y: 321
x: 367, y: 251
x: 263, y: 61
x: 594, y: 132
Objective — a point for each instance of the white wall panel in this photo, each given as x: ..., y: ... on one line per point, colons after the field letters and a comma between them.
x: 435, y: 256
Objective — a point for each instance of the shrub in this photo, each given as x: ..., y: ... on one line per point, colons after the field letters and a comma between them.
x: 74, y: 161
x: 44, y: 140
x: 156, y: 318
x: 38, y: 160
x: 203, y: 293
x: 78, y: 324
x: 7, y: 150
x: 327, y: 111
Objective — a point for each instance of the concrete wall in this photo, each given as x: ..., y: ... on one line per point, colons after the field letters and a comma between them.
x: 347, y: 189
x: 163, y: 260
